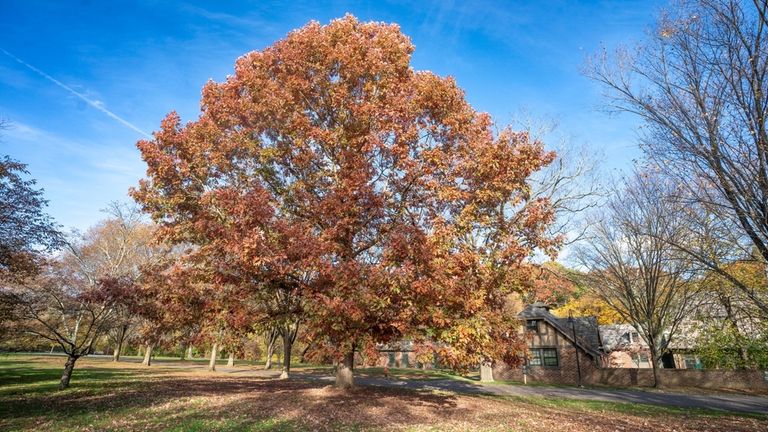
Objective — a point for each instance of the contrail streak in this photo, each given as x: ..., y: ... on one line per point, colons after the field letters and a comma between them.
x: 94, y: 103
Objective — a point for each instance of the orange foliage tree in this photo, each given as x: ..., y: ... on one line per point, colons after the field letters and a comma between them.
x: 328, y: 171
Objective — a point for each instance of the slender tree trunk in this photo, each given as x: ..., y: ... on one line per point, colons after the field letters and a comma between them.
x: 270, y: 352
x: 69, y: 366
x: 655, y: 366
x: 212, y: 363
x: 189, y: 352
x: 287, y: 345
x: 303, y: 359
x: 231, y: 361
x: 344, y: 371
x: 731, y: 320
x: 148, y: 355
x: 271, y: 338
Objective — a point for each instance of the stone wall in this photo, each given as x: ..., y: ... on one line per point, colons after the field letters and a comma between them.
x: 632, y: 377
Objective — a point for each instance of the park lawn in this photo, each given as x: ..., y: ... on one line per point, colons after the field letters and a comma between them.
x: 126, y: 396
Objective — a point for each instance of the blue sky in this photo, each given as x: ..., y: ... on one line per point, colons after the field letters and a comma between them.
x: 120, y: 66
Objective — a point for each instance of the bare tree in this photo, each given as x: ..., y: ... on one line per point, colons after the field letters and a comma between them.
x: 572, y: 182
x: 700, y: 83
x: 116, y: 247
x: 633, y: 269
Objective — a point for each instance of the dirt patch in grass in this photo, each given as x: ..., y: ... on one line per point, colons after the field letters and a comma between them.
x: 165, y: 400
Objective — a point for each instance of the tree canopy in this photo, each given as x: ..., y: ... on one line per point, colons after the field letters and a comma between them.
x: 326, y: 167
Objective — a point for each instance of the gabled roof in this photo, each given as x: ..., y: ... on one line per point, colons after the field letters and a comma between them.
x: 586, y: 327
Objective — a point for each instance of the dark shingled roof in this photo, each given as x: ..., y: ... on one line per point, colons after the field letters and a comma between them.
x: 587, y: 335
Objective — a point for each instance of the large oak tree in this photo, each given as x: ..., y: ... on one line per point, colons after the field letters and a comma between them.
x: 327, y: 171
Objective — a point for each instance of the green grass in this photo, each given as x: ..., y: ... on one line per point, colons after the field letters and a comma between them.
x: 30, y: 400
x: 104, y: 396
x: 623, y: 408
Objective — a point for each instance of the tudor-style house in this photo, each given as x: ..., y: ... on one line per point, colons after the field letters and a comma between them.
x: 560, y: 350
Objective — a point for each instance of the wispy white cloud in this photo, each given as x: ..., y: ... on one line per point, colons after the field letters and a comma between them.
x: 79, y: 176
x: 99, y: 105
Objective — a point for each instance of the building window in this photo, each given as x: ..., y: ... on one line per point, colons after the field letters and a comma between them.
x: 642, y: 360
x: 691, y: 362
x: 550, y: 357
x: 544, y: 357
x: 630, y: 337
x: 532, y: 325
x: 535, y: 357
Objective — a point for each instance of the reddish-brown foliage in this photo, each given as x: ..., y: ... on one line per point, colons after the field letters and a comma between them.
x: 370, y: 194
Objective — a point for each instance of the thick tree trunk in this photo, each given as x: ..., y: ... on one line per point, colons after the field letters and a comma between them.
x: 119, y: 344
x: 231, y: 361
x: 212, y: 363
x: 344, y: 371
x: 148, y: 356
x: 486, y: 372
x: 116, y: 354
x: 287, y: 345
x: 69, y: 366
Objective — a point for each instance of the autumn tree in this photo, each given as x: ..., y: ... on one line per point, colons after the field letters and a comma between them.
x: 87, y: 290
x: 168, y: 302
x: 699, y: 83
x: 60, y: 306
x: 327, y: 168
x: 731, y: 330
x: 25, y: 228
x: 631, y: 267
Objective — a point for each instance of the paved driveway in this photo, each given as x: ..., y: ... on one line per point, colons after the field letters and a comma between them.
x: 740, y: 403
x: 725, y: 402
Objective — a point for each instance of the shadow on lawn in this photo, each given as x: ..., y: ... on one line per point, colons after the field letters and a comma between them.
x: 133, y: 399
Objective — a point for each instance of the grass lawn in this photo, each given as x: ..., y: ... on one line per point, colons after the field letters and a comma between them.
x: 126, y: 396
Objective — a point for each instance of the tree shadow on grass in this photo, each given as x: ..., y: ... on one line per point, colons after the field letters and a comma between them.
x: 163, y: 402
x: 166, y: 402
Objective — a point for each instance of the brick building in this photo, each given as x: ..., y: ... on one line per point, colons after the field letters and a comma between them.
x: 625, y: 347
x: 560, y: 350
